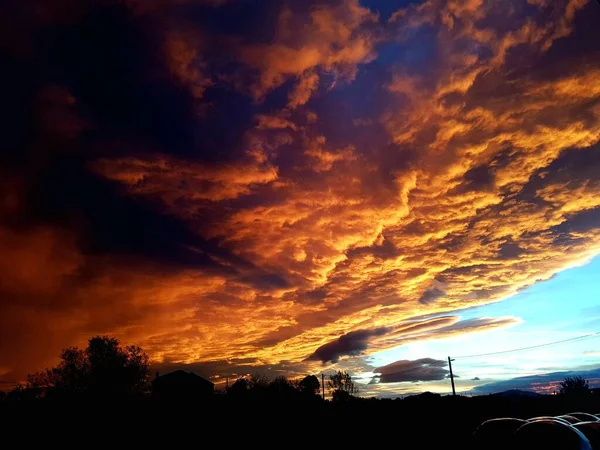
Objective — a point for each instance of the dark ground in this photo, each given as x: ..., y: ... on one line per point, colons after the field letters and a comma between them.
x: 419, y: 422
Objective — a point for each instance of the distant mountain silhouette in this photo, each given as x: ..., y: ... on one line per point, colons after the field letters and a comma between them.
x: 517, y: 393
x: 542, y: 379
x: 427, y: 395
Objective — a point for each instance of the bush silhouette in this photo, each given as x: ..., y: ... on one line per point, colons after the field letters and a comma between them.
x: 342, y: 386
x: 309, y: 385
x: 575, y: 386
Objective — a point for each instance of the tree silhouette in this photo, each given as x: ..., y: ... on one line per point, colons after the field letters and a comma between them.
x: 259, y: 381
x: 70, y: 376
x: 575, y: 386
x: 240, y: 387
x: 342, y: 386
x: 309, y: 385
x: 281, y: 388
x: 103, y: 368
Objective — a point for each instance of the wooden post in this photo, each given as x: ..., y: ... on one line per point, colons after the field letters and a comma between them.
x: 451, y: 375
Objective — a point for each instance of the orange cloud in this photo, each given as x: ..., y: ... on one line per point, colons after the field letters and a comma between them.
x: 182, y: 53
x: 176, y: 181
x: 430, y: 224
x: 333, y: 38
x: 37, y: 261
x: 453, y: 184
x: 308, y: 84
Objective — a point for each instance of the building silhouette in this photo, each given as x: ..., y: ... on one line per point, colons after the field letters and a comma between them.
x: 181, y: 385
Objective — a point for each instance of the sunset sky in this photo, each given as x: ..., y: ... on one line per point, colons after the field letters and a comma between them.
x: 295, y: 187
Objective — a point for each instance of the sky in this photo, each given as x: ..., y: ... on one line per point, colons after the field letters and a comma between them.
x: 564, y: 308
x: 243, y: 186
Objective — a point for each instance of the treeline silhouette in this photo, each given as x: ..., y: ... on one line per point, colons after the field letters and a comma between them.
x: 105, y: 395
x: 106, y: 371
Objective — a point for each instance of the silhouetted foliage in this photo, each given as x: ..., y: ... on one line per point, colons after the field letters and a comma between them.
x: 342, y: 386
x: 261, y: 387
x: 104, y: 367
x: 240, y: 387
x: 18, y: 394
x: 259, y: 381
x: 575, y: 386
x: 282, y: 388
x: 309, y: 385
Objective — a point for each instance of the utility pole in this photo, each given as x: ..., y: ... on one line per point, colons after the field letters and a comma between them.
x: 226, y: 383
x: 323, y: 385
x: 451, y: 376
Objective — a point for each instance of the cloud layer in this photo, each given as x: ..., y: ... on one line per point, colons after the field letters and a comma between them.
x: 285, y: 184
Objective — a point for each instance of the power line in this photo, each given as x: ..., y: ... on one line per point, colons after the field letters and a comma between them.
x: 578, y: 338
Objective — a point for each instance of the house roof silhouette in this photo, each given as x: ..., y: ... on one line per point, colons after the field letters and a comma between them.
x: 182, y: 376
x: 182, y: 381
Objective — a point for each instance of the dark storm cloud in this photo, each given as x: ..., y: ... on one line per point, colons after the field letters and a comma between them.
x: 73, y: 93
x: 113, y: 94
x: 384, y: 249
x: 510, y: 250
x: 353, y: 343
x: 119, y: 95
x: 478, y: 178
x: 424, y: 369
x: 431, y: 295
